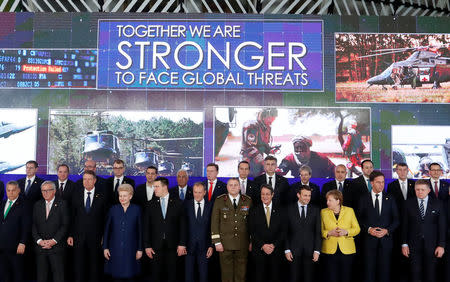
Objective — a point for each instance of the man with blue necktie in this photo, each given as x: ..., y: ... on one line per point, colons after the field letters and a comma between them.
x: 423, y: 233
x: 182, y: 191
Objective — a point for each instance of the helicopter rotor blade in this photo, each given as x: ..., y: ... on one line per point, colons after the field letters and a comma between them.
x: 385, y: 53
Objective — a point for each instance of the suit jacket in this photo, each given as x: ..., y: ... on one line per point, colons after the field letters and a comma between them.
x: 2, y: 190
x: 15, y: 228
x: 198, y: 230
x: 34, y: 194
x: 443, y: 191
x: 358, y: 189
x: 219, y: 189
x: 346, y: 220
x: 315, y: 193
x: 87, y: 227
x: 303, y: 235
x: 175, y: 192
x: 281, y: 191
x: 369, y: 217
x: 331, y: 185
x: 260, y: 234
x: 54, y: 227
x: 432, y: 228
x: 111, y: 195
x: 68, y: 191
x: 172, y: 228
x: 251, y: 189
x: 395, y: 191
x: 140, y: 196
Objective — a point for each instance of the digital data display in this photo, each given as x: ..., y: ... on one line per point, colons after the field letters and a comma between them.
x: 48, y: 68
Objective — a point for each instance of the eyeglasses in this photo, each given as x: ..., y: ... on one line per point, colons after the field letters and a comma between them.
x: 435, y: 170
x: 47, y: 190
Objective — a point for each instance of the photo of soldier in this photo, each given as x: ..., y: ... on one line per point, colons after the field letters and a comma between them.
x: 319, y: 137
x: 257, y: 140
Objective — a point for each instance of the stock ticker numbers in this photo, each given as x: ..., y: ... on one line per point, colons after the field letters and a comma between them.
x: 48, y: 68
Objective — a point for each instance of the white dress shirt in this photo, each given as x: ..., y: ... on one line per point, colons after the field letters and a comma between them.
x: 273, y: 180
x: 7, y: 204
x: 166, y: 202
x: 150, y: 191
x: 202, y: 207
x: 86, y: 195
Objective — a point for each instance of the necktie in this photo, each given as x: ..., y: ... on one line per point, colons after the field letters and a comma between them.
x: 340, y: 186
x: 436, y: 189
x: 377, y: 204
x: 234, y: 204
x: 28, y: 186
x: 422, y: 209
x: 369, y: 186
x: 210, y: 190
x: 199, y: 210
x: 268, y: 216
x: 303, y: 214
x: 7, y: 210
x: 117, y: 185
x: 88, y: 202
x: 61, y: 189
x: 404, y: 191
x: 47, y: 209
x: 243, y: 187
x: 270, y: 181
x: 182, y: 194
x: 163, y: 207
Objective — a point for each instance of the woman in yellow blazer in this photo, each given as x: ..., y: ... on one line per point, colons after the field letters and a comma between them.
x: 339, y: 226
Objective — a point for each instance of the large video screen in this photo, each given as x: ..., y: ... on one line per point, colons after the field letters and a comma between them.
x: 318, y: 137
x: 48, y: 68
x: 392, y: 68
x: 17, y: 139
x: 168, y: 140
x: 419, y: 146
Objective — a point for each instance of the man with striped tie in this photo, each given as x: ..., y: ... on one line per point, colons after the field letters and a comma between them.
x: 423, y: 233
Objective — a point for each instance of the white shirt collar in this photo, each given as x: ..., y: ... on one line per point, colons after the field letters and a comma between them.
x: 51, y: 202
x: 166, y: 197
x: 86, y: 191
x: 121, y: 179
x: 237, y: 198
x: 32, y: 180
x: 183, y: 188
x: 214, y: 182
x: 64, y: 182
x: 270, y: 206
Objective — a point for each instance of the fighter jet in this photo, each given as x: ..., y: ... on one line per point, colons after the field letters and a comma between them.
x: 7, y: 129
x: 7, y: 167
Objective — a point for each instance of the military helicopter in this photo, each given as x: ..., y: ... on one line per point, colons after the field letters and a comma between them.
x: 7, y: 129
x: 425, y: 65
x: 146, y: 155
x: 101, y: 146
x: 7, y: 167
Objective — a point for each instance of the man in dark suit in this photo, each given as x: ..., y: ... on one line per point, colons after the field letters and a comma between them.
x: 303, y: 237
x: 361, y: 186
x: 266, y: 231
x: 198, y: 228
x: 182, y: 191
x: 401, y: 189
x: 279, y: 184
x: 89, y: 207
x: 113, y: 182
x: 423, y: 233
x: 439, y: 187
x: 64, y: 186
x: 30, y: 186
x: 305, y: 175
x: 378, y: 218
x: 49, y: 230
x: 100, y: 183
x: 214, y: 186
x: 164, y: 232
x: 30, y: 191
x: 14, y: 232
x: 145, y: 192
x: 339, y: 183
x: 248, y: 187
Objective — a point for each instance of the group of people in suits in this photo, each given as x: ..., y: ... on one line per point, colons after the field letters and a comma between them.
x: 243, y: 230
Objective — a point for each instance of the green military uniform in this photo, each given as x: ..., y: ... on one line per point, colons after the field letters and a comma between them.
x: 229, y: 227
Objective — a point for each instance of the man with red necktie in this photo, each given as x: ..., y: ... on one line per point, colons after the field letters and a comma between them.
x: 214, y: 186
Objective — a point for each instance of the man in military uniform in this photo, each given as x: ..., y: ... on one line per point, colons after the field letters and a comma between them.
x: 257, y: 140
x: 229, y: 231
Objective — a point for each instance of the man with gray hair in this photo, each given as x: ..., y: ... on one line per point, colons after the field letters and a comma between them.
x: 182, y: 191
x: 49, y: 230
x: 305, y: 176
x: 319, y: 163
